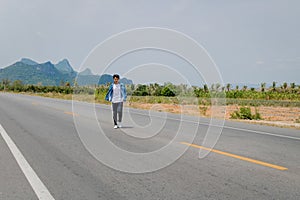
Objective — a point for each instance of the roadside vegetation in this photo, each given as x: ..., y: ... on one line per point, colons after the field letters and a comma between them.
x: 245, y: 99
x: 245, y: 113
x: 283, y: 95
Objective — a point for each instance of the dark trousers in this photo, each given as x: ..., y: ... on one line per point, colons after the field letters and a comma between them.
x: 117, y: 110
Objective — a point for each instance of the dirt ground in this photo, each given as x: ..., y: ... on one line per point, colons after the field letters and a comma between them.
x: 275, y: 116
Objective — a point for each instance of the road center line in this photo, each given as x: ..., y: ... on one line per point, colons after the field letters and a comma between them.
x: 37, y: 185
x: 224, y: 127
x: 71, y: 113
x: 237, y: 156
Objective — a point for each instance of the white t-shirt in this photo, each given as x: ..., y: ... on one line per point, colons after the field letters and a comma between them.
x: 117, y: 93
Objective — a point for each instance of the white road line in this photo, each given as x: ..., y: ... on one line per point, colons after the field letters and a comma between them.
x: 227, y: 127
x: 37, y: 185
x: 262, y: 133
x: 205, y: 124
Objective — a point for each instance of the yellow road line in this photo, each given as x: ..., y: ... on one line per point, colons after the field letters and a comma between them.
x: 237, y: 156
x: 71, y: 113
x: 35, y: 103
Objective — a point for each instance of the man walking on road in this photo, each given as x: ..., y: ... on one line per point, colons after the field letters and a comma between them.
x: 117, y: 95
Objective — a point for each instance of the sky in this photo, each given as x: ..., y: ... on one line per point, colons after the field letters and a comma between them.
x: 249, y: 41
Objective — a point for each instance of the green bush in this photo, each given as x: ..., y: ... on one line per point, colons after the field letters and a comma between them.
x: 245, y: 113
x: 141, y: 90
x: 167, y: 92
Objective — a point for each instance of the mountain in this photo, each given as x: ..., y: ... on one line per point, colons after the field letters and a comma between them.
x: 31, y: 72
x: 126, y: 81
x: 94, y: 79
x: 86, y: 72
x: 98, y: 80
x: 87, y: 79
x: 28, y: 61
x: 64, y: 66
x: 105, y: 78
x: 45, y: 73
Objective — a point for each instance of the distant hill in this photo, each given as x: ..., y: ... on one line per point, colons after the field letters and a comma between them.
x: 31, y: 72
x: 28, y: 61
x: 126, y: 81
x: 45, y: 73
x: 64, y: 66
x: 87, y: 79
x: 98, y: 80
x: 105, y: 78
x: 86, y: 72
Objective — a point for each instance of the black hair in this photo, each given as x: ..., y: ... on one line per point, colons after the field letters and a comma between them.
x: 116, y: 76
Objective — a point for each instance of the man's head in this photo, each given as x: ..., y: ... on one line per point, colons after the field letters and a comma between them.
x: 116, y: 78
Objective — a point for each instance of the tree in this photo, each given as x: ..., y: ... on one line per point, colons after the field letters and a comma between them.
x: 132, y: 86
x: 166, y: 91
x: 237, y: 87
x: 285, y: 85
x: 293, y: 85
x: 228, y: 86
x: 182, y: 89
x: 274, y: 86
x: 169, y: 90
x: 212, y: 87
x: 205, y: 87
x: 152, y: 88
x: 262, y: 87
x: 5, y: 83
x: 218, y: 86
x: 17, y: 86
x: 157, y: 89
x: 141, y: 90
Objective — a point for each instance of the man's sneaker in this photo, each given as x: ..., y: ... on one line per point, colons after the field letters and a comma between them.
x: 115, y: 127
x: 120, y: 125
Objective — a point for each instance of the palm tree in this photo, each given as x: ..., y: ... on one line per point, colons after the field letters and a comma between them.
x: 205, y: 87
x: 293, y: 85
x: 218, y: 85
x: 263, y: 86
x: 228, y: 86
x: 274, y: 86
x: 5, y: 83
x: 212, y: 87
x: 151, y: 89
x: 285, y: 85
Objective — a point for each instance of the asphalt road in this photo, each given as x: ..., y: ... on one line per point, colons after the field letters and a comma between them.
x: 248, y: 161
